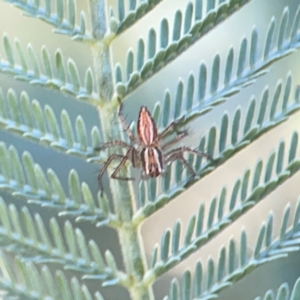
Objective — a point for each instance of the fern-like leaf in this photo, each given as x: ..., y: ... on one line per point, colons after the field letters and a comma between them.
x: 55, y: 75
x: 41, y: 125
x: 283, y: 292
x: 238, y: 263
x: 286, y: 44
x: 62, y: 17
x: 243, y: 197
x: 126, y: 18
x: 197, y: 105
x: 48, y: 192
x: 251, y: 130
x: 24, y: 281
x: 68, y: 247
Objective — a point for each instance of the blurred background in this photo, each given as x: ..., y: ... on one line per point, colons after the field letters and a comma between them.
x: 219, y: 40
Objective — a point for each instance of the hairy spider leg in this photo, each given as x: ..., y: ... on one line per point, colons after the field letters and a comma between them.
x: 170, y: 127
x: 177, y: 154
x: 175, y: 140
x: 183, y: 149
x: 114, y: 143
x: 125, y: 125
x: 123, y: 158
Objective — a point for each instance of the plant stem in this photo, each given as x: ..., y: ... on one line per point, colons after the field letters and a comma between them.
x: 131, y: 242
x: 100, y: 50
x: 123, y: 195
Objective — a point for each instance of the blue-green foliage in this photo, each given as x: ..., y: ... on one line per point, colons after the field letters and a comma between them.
x: 30, y: 246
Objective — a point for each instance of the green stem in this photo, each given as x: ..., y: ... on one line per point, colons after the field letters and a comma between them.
x: 123, y: 195
x: 100, y: 50
x: 134, y: 261
x: 131, y: 242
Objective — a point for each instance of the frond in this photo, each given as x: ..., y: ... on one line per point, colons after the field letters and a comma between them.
x: 60, y: 75
x: 283, y: 292
x: 62, y: 17
x: 23, y: 280
x: 245, y: 75
x: 238, y: 263
x: 193, y: 29
x: 38, y: 245
x: 190, y: 103
x: 243, y: 197
x: 225, y: 144
x: 27, y: 179
x: 41, y: 125
x: 27, y: 237
x: 127, y: 17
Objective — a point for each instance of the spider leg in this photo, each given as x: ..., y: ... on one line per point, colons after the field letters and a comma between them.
x: 179, y: 137
x: 105, y: 166
x: 189, y: 150
x: 124, y: 123
x: 118, y: 168
x: 169, y: 128
x: 113, y: 175
x: 177, y: 154
x: 112, y: 144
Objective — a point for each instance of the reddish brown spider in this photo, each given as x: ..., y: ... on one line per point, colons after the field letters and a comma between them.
x: 147, y: 151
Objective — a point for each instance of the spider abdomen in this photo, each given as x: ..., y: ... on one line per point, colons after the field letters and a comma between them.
x: 152, y: 160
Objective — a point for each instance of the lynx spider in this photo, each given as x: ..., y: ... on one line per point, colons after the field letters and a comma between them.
x: 146, y: 151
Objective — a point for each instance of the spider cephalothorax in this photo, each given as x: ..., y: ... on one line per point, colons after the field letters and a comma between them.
x: 147, y: 151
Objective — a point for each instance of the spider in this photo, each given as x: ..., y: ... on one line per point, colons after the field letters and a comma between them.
x: 147, y: 150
